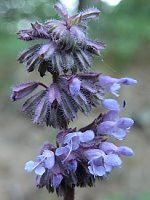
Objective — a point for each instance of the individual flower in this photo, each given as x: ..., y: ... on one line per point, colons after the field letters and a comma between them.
x: 114, y: 125
x: 112, y: 85
x: 44, y: 161
x: 66, y: 45
x: 101, y: 163
x: 110, y: 148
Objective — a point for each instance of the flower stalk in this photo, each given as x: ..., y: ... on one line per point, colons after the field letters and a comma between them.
x: 69, y: 193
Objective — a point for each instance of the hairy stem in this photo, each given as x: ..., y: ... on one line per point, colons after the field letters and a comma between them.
x: 69, y: 193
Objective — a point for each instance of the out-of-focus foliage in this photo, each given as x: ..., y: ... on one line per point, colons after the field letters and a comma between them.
x: 120, y: 197
x: 125, y: 28
x: 18, y: 14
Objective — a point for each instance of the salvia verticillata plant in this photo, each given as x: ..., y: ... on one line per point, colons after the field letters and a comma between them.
x: 80, y: 156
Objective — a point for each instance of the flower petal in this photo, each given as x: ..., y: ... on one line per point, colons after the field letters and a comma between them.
x: 127, y: 81
x: 29, y: 166
x: 56, y: 180
x: 86, y: 136
x: 112, y: 160
x: 39, y: 170
x: 119, y: 134
x: 48, y: 153
x: 69, y: 136
x: 111, y: 116
x: 61, y: 150
x: 92, y: 154
x: 97, y: 170
x: 50, y: 162
x: 125, y: 151
x: 111, y: 104
x: 108, y: 168
x: 108, y: 147
x: 125, y: 122
x: 106, y: 127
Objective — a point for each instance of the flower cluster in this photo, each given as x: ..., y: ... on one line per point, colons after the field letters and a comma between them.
x: 59, y: 103
x: 66, y: 45
x: 80, y: 156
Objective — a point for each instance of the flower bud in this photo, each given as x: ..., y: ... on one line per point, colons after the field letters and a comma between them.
x: 75, y: 86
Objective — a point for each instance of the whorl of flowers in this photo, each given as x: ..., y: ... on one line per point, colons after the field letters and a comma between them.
x: 80, y: 156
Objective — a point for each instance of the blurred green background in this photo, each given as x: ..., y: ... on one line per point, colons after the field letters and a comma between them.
x: 125, y: 28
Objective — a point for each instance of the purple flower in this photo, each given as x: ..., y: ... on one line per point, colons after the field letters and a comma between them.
x: 72, y: 142
x: 115, y: 126
x: 125, y: 151
x: 44, y: 161
x: 112, y: 85
x: 100, y: 163
x: 127, y: 81
x: 110, y: 148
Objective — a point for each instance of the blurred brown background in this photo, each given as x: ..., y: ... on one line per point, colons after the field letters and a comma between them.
x: 125, y: 27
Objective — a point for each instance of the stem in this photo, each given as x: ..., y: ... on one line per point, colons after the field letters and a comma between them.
x: 43, y: 85
x: 69, y: 193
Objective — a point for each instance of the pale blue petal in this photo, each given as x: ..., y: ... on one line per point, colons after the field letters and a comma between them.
x: 112, y: 160
x: 111, y: 116
x: 127, y: 81
x: 69, y: 136
x: 91, y: 170
x: 97, y: 170
x: 120, y: 134
x: 125, y: 122
x: 92, y: 154
x: 75, y: 143
x: 125, y: 151
x: 61, y: 150
x: 39, y: 170
x: 108, y: 168
x: 114, y: 89
x: 50, y: 162
x: 106, y: 127
x: 111, y: 104
x: 86, y: 136
x: 106, y: 81
x: 29, y: 166
x: 48, y: 153
x: 108, y: 147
